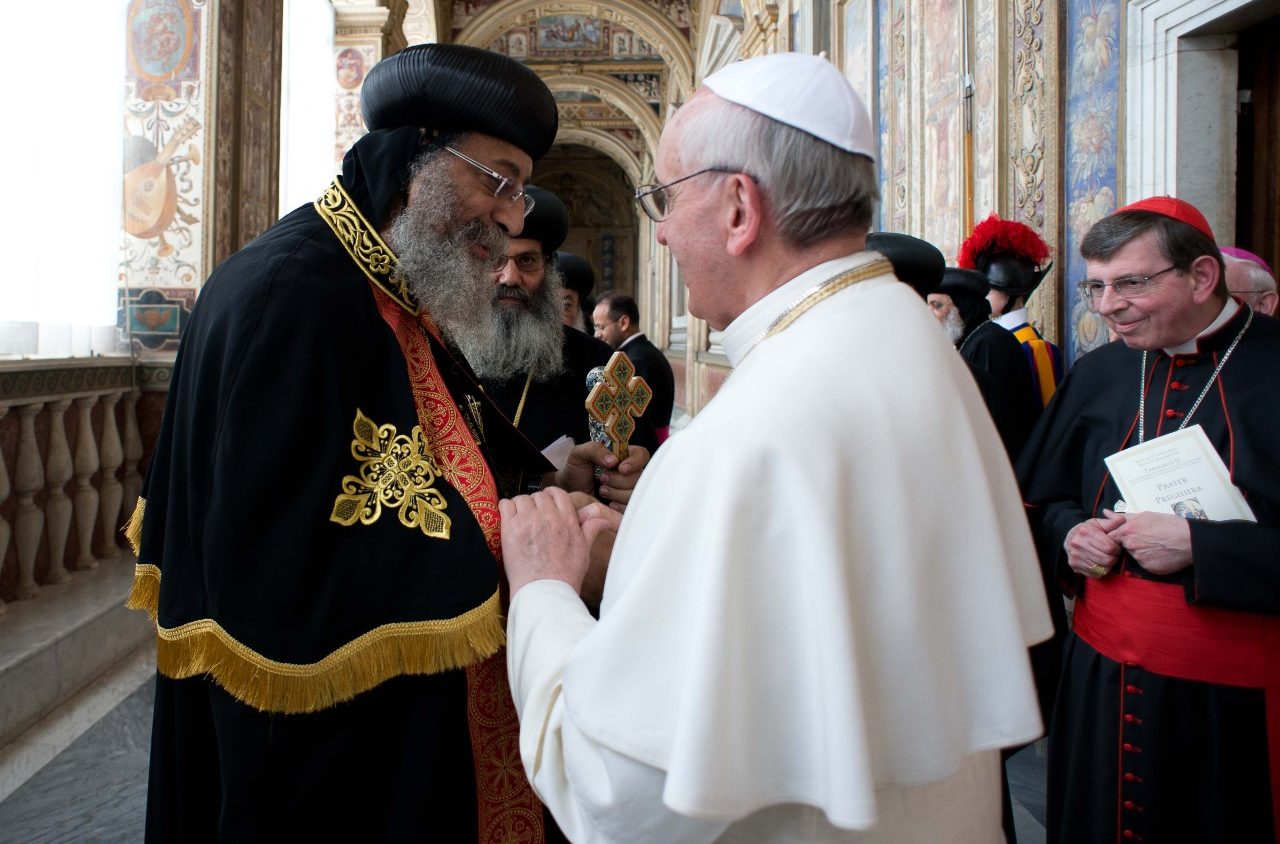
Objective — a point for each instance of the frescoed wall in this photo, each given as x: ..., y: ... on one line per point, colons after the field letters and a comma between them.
x: 351, y: 63
x: 1092, y: 144
x: 573, y: 37
x: 162, y: 257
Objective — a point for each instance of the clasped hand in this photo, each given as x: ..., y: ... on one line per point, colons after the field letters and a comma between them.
x: 550, y: 535
x: 1159, y: 542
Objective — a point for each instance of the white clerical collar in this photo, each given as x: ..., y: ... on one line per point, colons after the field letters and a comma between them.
x: 629, y: 339
x: 1192, y: 346
x: 1012, y: 320
x: 743, y: 332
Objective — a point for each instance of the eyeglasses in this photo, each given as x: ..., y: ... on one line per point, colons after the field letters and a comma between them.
x: 506, y: 188
x: 1126, y: 287
x: 654, y: 201
x: 528, y: 262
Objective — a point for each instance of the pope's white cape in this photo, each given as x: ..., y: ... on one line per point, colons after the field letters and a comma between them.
x: 824, y: 585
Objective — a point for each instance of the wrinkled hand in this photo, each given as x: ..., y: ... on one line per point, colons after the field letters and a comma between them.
x: 1091, y: 547
x: 542, y: 539
x: 616, y: 481
x: 1159, y: 542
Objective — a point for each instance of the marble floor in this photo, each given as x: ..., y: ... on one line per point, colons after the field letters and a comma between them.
x: 94, y: 788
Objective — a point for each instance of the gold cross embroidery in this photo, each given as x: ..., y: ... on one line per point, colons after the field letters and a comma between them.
x: 620, y: 396
x: 395, y: 470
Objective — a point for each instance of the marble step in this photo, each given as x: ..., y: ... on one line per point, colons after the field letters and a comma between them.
x: 59, y: 642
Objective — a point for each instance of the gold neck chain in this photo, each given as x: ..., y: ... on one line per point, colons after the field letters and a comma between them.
x: 814, y: 295
x: 515, y: 423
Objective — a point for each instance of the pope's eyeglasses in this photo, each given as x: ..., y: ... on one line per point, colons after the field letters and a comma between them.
x: 654, y: 200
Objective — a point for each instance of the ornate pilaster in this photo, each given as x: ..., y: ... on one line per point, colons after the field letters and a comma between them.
x: 247, y: 146
x: 361, y: 38
x: 1033, y: 137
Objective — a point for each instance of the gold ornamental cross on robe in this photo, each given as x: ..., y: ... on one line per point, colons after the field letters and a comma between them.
x: 615, y: 402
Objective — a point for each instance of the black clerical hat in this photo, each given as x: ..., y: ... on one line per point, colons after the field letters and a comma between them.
x: 961, y: 283
x: 548, y: 222
x: 577, y: 272
x: 917, y: 262
x: 450, y: 86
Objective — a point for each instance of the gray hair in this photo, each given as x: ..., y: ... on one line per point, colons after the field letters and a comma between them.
x: 815, y: 190
x: 1260, y: 281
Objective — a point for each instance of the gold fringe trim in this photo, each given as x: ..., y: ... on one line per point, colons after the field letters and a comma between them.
x: 133, y: 530
x: 145, y: 592
x: 420, y: 647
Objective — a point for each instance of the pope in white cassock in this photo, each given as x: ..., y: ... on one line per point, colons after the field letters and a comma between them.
x: 819, y: 602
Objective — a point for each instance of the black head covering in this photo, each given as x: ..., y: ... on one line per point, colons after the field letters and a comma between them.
x: 548, y: 222
x: 577, y: 272
x: 452, y: 87
x: 968, y: 289
x: 376, y: 169
x: 1013, y: 274
x: 917, y: 262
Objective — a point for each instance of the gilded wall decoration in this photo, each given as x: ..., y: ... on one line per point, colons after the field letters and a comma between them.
x: 1092, y: 148
x: 164, y: 162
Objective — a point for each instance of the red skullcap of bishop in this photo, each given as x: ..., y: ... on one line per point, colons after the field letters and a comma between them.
x: 1176, y: 209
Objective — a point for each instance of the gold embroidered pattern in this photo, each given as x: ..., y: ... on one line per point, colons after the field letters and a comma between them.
x: 397, y: 471
x: 363, y: 243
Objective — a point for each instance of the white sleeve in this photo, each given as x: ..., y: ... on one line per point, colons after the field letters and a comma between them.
x: 595, y: 794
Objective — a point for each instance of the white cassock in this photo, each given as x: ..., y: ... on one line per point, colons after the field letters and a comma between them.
x: 815, y: 622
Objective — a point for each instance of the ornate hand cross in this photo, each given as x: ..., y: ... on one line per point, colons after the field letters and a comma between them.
x: 615, y: 399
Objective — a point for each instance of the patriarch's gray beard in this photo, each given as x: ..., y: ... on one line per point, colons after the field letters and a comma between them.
x: 458, y: 291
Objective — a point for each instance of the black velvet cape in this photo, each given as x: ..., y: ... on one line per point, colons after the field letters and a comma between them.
x: 274, y: 609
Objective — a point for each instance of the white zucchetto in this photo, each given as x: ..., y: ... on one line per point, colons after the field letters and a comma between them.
x: 803, y: 91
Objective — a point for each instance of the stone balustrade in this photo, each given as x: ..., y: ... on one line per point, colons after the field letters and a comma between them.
x: 70, y: 453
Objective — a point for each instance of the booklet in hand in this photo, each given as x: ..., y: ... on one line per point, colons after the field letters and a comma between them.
x: 1178, y: 473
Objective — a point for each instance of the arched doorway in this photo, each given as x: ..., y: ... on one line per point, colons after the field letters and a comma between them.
x: 602, y: 219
